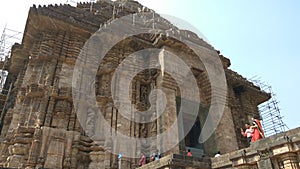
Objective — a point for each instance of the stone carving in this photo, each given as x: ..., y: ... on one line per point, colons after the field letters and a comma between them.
x: 144, y: 96
x: 265, y: 154
x: 91, y: 122
x: 41, y: 70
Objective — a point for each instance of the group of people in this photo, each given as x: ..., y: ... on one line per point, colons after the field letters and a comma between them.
x: 154, y: 157
x: 253, y: 132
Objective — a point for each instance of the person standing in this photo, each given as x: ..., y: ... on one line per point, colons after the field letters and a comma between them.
x: 248, y: 132
x: 142, y: 160
x: 120, y: 160
x: 218, y: 154
x: 258, y: 132
x: 155, y: 156
x: 189, y: 153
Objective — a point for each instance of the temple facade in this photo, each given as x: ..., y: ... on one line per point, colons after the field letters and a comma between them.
x: 42, y: 126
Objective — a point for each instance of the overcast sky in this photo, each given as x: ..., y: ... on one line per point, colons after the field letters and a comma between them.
x: 261, y: 38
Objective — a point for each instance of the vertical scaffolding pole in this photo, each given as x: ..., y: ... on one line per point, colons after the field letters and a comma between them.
x: 8, y: 38
x: 272, y: 120
x: 3, y: 107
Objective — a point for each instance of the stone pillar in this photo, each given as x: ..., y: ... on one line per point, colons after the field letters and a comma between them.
x: 168, y: 117
x: 289, y: 161
x: 68, y: 149
x: 41, y: 112
x: 33, y: 153
x: 226, y: 131
x: 96, y: 160
x: 74, y: 150
x: 265, y: 163
x: 265, y: 158
x: 49, y: 113
x: 108, y: 156
x: 55, y: 149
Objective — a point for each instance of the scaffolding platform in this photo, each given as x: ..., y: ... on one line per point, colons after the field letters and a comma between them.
x: 272, y: 120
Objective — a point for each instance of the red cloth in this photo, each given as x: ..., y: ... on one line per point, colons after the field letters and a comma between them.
x: 258, y: 131
x: 142, y: 161
x: 189, y: 154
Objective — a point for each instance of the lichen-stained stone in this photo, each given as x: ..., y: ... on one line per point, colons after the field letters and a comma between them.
x: 43, y: 127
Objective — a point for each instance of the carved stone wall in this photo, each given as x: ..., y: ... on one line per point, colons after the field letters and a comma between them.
x: 274, y: 152
x: 41, y: 127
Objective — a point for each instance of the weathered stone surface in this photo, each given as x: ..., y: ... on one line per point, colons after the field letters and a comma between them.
x: 277, y: 151
x: 180, y: 162
x: 41, y: 126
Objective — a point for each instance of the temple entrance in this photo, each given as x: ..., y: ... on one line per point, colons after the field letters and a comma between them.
x: 191, y: 139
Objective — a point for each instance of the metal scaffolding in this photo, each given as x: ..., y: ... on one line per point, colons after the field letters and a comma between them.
x: 269, y: 111
x: 8, y: 38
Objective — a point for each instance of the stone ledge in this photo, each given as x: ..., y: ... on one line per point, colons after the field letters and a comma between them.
x: 265, y: 149
x: 179, y: 161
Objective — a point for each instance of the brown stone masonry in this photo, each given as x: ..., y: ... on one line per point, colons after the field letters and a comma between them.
x: 41, y: 128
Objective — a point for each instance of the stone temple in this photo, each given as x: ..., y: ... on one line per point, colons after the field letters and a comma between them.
x: 54, y: 119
